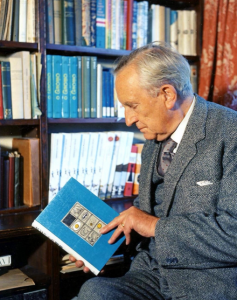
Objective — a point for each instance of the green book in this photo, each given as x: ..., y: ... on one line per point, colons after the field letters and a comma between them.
x: 93, y: 86
x: 86, y: 89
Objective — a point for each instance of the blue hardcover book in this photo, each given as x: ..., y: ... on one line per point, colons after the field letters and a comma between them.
x: 49, y: 86
x: 104, y: 93
x: 73, y: 220
x: 134, y: 26
x: 86, y: 88
x: 65, y: 86
x: 93, y: 86
x: 100, y: 24
x: 6, y: 90
x: 73, y: 87
x: 15, y: 21
x: 57, y: 85
x: 68, y: 29
x: 49, y: 22
x: 78, y: 22
x: 93, y: 22
x: 79, y: 87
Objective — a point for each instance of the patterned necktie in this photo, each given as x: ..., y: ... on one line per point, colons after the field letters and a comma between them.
x: 166, y: 156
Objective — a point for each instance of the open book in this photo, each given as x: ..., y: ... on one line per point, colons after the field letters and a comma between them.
x: 73, y: 220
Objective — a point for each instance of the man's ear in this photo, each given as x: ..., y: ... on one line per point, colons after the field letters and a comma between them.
x: 170, y: 95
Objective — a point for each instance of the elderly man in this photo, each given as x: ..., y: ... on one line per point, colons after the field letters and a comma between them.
x: 186, y: 211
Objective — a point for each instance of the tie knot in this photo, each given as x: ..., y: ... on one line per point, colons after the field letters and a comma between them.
x: 169, y: 145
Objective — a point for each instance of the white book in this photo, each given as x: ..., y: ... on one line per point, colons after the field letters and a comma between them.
x: 25, y: 56
x: 85, y: 143
x: 193, y: 32
x: 31, y: 18
x: 38, y: 73
x: 119, y: 163
x: 99, y: 90
x: 113, y: 24
x: 180, y: 31
x: 22, y: 20
x: 57, y: 12
x: 113, y: 164
x: 154, y: 23
x: 140, y: 25
x: 186, y: 37
x: 64, y: 175
x: 55, y: 164
x: 99, y: 164
x: 74, y: 154
x: 108, y: 154
x: 91, y: 160
x: 145, y: 22
x: 16, y: 85
x: 127, y: 153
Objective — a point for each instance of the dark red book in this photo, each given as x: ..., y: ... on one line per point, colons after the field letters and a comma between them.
x: 1, y: 101
x: 129, y: 24
x: 131, y: 171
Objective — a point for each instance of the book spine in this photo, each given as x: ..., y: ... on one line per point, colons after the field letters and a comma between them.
x: 35, y: 111
x: 125, y: 21
x: 57, y: 12
x: 121, y: 25
x: 49, y: 86
x: 134, y: 26
x: 31, y: 18
x: 180, y: 31
x: 57, y: 85
x: 5, y: 182
x: 6, y: 89
x: 64, y: 174
x: 65, y: 87
x: 11, y: 180
x: 100, y: 23
x: 108, y: 24
x: 86, y: 90
x: 86, y: 34
x: 93, y: 86
x: 79, y: 87
x: 99, y: 91
x: 111, y: 94
x: 15, y: 31
x: 78, y: 22
x: 137, y: 169
x: 186, y: 37
x: 130, y: 172
x: 2, y: 15
x: 8, y: 29
x: 73, y: 93
x: 93, y: 22
x: 174, y: 29
x: 145, y: 24
x: 26, y: 83
x: 82, y: 164
x: 49, y: 22
x: 167, y: 25
x: 194, y: 78
x: 22, y: 20
x: 193, y: 32
x: 68, y: 32
x: 104, y: 93
x: 74, y: 154
x: 130, y: 24
x: 17, y: 181
x: 1, y: 99
x: 113, y: 24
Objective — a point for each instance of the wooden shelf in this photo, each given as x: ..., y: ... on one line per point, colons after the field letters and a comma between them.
x: 18, y: 46
x: 86, y: 121
x: 20, y: 122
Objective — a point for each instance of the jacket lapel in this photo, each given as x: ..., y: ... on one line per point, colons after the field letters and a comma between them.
x: 195, y: 132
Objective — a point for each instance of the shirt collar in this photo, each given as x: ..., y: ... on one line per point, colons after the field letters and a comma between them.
x: 179, y: 132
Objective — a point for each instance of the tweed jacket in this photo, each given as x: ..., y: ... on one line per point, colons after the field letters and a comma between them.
x: 196, y: 236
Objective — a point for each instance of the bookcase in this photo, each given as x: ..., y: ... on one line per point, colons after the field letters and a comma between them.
x: 35, y: 255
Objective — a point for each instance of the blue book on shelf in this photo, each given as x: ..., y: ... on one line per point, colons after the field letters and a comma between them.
x: 100, y: 24
x: 73, y: 220
x: 134, y: 26
x: 104, y: 93
x: 68, y: 20
x: 93, y: 22
x: 111, y: 94
x: 49, y: 22
x: 57, y: 85
x: 86, y: 87
x: 65, y: 86
x: 79, y: 87
x: 6, y: 89
x: 49, y: 86
x: 73, y: 95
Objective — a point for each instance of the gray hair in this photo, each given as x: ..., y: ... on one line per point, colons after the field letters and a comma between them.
x: 159, y: 64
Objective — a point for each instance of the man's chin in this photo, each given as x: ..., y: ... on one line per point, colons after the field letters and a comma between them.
x: 150, y: 136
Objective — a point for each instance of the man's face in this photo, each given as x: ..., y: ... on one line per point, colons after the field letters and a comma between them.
x: 150, y: 114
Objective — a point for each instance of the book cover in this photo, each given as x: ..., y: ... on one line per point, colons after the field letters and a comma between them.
x: 49, y: 86
x: 129, y: 26
x: 79, y: 87
x: 137, y: 169
x: 75, y: 225
x: 73, y: 88
x: 68, y: 32
x: 57, y: 85
x: 57, y: 13
x: 130, y: 172
x: 49, y: 22
x: 29, y: 150
x: 65, y: 87
x: 15, y: 25
x: 86, y: 88
x: 78, y: 22
x: 93, y: 86
x: 100, y: 23
x: 6, y: 89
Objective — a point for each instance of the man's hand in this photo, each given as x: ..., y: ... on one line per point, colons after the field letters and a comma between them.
x: 79, y: 264
x: 131, y: 219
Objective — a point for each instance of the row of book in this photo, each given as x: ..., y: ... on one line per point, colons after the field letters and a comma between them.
x: 19, y: 20
x: 106, y: 163
x: 80, y: 87
x: 120, y: 24
x: 19, y: 174
x: 20, y: 74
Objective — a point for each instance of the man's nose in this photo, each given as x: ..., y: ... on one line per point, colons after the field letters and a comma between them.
x: 130, y: 117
